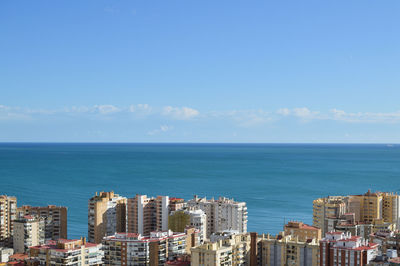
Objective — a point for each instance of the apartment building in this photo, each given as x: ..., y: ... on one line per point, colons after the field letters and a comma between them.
x: 28, y: 231
x: 75, y: 252
x: 332, y: 207
x: 131, y: 249
x: 146, y: 215
x: 282, y: 250
x: 338, y: 248
x: 106, y: 215
x: 55, y: 218
x: 176, y: 204
x: 370, y: 208
x: 8, y: 213
x: 302, y: 231
x: 234, y: 250
x: 178, y: 221
x: 222, y: 214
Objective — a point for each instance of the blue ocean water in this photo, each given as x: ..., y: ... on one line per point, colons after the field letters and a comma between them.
x: 278, y: 181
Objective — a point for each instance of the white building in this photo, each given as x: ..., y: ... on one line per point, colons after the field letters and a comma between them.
x: 28, y: 231
x: 134, y: 249
x: 198, y: 219
x: 222, y: 214
x: 5, y: 253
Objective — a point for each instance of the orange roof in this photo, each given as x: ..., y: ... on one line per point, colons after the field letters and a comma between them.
x: 19, y: 256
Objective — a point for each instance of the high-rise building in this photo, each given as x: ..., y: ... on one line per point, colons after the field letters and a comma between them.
x: 178, y: 221
x: 55, y: 219
x: 282, y: 250
x: 131, y: 249
x: 65, y: 252
x: 234, y: 250
x: 28, y: 231
x: 338, y: 248
x: 222, y: 214
x: 146, y: 215
x: 370, y: 208
x: 302, y: 231
x: 8, y: 213
x: 375, y: 206
x: 325, y: 209
x: 106, y: 215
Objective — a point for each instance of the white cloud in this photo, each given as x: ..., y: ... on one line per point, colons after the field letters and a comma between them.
x: 140, y: 108
x: 304, y: 112
x: 163, y: 128
x: 180, y: 113
x: 366, y: 117
x: 106, y: 109
x: 283, y: 111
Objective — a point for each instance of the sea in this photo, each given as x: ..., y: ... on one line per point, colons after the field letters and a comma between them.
x: 277, y: 181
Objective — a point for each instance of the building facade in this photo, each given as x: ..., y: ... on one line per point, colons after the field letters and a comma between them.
x: 179, y: 220
x: 62, y: 252
x: 332, y: 207
x: 222, y: 214
x: 338, y: 248
x: 283, y: 250
x: 106, y: 215
x: 133, y: 249
x: 55, y: 218
x: 234, y: 250
x: 302, y: 231
x: 8, y: 213
x: 146, y: 215
x: 28, y: 231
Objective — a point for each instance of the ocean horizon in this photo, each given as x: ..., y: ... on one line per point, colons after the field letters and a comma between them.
x: 277, y: 181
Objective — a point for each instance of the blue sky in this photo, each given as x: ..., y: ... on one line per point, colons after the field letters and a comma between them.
x: 200, y: 71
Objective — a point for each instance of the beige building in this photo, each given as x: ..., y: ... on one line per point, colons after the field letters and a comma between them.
x: 302, y: 231
x: 28, y: 231
x: 55, y: 219
x: 375, y: 206
x: 8, y: 213
x: 106, y: 215
x: 234, y: 250
x: 332, y: 207
x: 67, y: 252
x: 366, y: 208
x: 146, y: 215
x: 284, y: 250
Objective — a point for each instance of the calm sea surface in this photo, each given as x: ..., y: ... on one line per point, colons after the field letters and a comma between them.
x: 277, y: 181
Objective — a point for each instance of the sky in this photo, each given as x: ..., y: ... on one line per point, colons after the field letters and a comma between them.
x: 200, y: 71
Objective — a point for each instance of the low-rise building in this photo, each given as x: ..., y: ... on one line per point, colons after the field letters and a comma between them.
x: 67, y: 252
x: 302, y: 231
x: 5, y: 253
x: 338, y: 248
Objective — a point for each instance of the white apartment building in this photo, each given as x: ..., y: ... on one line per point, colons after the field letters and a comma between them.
x: 198, y: 219
x: 146, y: 215
x: 222, y: 214
x: 134, y: 249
